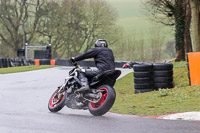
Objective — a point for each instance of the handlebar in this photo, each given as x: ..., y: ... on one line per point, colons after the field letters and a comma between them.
x: 75, y: 64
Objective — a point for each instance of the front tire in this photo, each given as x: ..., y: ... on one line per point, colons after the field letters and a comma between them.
x: 56, y: 103
x: 105, y: 103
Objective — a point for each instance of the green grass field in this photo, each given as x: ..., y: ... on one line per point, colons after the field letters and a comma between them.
x: 182, y: 98
x: 143, y: 25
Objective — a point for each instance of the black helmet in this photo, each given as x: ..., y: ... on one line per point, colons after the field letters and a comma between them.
x: 99, y: 43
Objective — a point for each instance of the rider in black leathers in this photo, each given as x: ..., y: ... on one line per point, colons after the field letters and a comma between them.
x: 104, y: 60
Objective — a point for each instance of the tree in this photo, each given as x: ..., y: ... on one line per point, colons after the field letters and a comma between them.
x: 71, y: 26
x: 74, y: 25
x: 187, y: 36
x: 156, y: 41
x: 12, y: 16
x: 195, y: 6
x: 173, y: 13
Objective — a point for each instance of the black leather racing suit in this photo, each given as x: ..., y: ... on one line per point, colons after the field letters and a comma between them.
x: 104, y: 60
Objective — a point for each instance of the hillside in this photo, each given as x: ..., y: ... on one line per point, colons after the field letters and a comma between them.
x: 136, y: 25
x: 132, y: 18
x: 127, y: 8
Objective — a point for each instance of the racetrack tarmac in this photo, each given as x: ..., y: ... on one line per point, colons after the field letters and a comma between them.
x: 24, y: 109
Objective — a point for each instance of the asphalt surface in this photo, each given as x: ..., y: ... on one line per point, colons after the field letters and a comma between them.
x: 24, y: 109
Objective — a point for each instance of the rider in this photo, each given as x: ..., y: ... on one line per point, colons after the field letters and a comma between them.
x: 104, y: 60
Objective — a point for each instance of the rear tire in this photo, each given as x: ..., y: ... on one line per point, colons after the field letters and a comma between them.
x: 105, y: 103
x: 55, y: 104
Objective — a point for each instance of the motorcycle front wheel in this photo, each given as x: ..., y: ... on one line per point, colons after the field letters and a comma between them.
x: 103, y: 105
x: 57, y: 100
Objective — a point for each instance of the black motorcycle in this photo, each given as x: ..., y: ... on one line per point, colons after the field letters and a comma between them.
x: 99, y: 99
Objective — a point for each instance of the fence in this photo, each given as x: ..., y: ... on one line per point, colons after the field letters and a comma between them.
x: 13, y: 62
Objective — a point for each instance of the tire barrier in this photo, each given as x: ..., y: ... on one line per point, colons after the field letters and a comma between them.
x: 143, y: 77
x: 1, y: 63
x: 61, y: 62
x: 14, y: 62
x: 163, y: 75
x: 44, y: 62
x: 150, y: 77
x: 87, y: 63
x: 119, y: 64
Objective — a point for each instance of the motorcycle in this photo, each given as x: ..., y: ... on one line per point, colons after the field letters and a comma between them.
x: 98, y: 100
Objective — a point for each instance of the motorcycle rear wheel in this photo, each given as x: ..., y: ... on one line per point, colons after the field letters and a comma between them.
x: 105, y: 103
x: 55, y: 103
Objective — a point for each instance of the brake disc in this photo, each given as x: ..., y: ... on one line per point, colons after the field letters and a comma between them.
x: 97, y: 100
x: 60, y: 96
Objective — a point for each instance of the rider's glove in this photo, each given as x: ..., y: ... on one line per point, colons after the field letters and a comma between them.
x: 73, y: 60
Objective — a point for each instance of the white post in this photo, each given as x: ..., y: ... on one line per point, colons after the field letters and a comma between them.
x: 26, y: 51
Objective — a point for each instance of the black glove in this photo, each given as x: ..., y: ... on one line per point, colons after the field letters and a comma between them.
x: 73, y: 60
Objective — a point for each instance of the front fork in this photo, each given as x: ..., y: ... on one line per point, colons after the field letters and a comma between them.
x: 59, y: 94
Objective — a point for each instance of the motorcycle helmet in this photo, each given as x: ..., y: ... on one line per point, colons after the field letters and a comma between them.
x: 101, y: 43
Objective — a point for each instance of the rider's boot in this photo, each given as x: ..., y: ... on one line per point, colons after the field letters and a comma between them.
x: 84, y: 83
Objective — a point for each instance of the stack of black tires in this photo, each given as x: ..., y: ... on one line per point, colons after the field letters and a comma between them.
x: 13, y: 62
x: 1, y: 63
x: 143, y: 77
x: 149, y: 77
x: 163, y: 75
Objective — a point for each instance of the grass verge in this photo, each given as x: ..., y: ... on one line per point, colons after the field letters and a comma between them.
x: 182, y: 98
x: 23, y: 69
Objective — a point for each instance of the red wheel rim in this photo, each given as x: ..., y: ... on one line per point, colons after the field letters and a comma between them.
x: 54, y: 101
x: 101, y: 101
